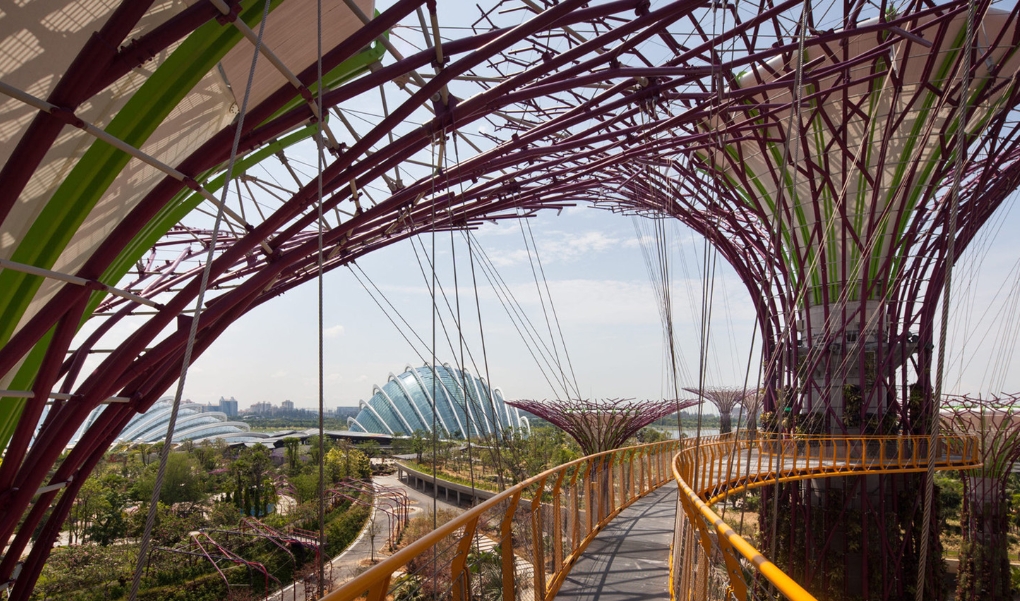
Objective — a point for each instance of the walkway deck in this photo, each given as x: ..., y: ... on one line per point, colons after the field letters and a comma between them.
x: 629, y: 559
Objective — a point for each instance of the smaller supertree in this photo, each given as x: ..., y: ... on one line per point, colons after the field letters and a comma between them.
x: 724, y: 399
x: 752, y: 406
x: 984, y: 561
x: 601, y: 424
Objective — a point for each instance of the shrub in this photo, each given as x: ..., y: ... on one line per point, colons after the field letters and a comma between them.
x: 341, y: 532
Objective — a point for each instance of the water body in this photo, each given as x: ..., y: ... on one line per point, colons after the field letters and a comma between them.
x: 690, y: 432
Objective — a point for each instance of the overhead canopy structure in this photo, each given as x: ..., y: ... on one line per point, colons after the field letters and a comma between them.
x: 121, y: 117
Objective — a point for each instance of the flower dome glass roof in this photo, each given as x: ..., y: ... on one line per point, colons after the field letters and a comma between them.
x: 193, y: 423
x: 404, y: 405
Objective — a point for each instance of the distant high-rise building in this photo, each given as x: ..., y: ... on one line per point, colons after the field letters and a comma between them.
x: 228, y: 406
x: 287, y: 405
x: 345, y: 412
x: 261, y: 408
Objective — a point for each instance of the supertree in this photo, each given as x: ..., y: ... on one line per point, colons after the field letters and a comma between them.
x: 842, y: 180
x: 724, y: 399
x: 600, y: 425
x: 984, y: 563
x: 121, y: 121
x: 751, y: 404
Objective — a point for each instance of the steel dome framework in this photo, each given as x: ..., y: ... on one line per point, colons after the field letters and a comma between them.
x: 120, y: 119
x: 464, y: 404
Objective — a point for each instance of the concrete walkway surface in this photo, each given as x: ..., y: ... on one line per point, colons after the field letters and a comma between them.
x: 629, y: 559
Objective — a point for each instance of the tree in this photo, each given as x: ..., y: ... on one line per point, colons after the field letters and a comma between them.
x: 648, y: 435
x: 419, y: 444
x: 206, y: 456
x: 183, y: 481
x: 87, y: 505
x: 306, y: 486
x: 313, y: 447
x: 253, y: 491
x: 108, y: 523
x: 370, y: 448
x: 293, y: 449
x: 347, y: 462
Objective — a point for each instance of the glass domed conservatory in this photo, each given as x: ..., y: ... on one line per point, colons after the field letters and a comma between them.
x: 193, y: 423
x: 404, y: 405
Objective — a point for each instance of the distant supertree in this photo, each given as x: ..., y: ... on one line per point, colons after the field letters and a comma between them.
x: 984, y: 561
x: 724, y: 399
x: 752, y: 407
x: 601, y: 424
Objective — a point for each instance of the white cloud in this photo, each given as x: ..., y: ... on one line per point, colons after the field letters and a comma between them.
x: 333, y: 332
x: 594, y: 302
x: 567, y: 246
x: 279, y: 374
x: 507, y: 259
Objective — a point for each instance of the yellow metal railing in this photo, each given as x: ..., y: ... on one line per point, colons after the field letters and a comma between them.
x: 521, y: 543
x: 712, y: 562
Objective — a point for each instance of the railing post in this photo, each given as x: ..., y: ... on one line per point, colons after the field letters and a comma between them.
x: 736, y: 575
x: 458, y: 572
x: 591, y: 504
x: 506, y: 547
x: 377, y: 592
x: 557, y: 524
x: 610, y: 485
x: 537, y: 541
x: 630, y: 477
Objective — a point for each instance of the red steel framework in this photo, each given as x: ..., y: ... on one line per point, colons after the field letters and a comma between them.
x: 615, y: 104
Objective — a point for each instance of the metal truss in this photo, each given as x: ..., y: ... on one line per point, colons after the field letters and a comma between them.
x: 623, y: 105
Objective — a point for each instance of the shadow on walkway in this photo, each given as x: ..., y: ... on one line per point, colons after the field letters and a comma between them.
x: 629, y: 559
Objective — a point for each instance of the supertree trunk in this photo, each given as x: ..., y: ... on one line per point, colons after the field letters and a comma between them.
x: 984, y: 560
x: 725, y: 422
x: 984, y: 563
x: 834, y: 537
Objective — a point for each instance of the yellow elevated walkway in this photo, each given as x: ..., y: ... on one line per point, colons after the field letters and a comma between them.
x: 521, y: 543
x: 710, y: 561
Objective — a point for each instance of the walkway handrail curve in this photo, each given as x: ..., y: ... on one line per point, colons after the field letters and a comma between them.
x: 718, y: 466
x: 562, y: 509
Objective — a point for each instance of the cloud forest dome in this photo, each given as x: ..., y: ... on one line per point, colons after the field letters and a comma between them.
x: 533, y: 105
x: 463, y: 402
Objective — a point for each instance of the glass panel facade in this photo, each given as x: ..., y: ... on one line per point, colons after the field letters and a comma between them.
x: 412, y: 398
x: 193, y: 423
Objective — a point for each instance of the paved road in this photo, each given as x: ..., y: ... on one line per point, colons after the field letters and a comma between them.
x: 629, y: 559
x: 352, y: 561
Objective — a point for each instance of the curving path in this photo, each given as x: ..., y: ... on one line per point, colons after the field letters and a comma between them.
x: 607, y: 520
x: 629, y: 558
